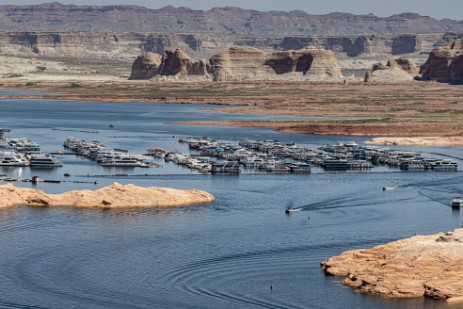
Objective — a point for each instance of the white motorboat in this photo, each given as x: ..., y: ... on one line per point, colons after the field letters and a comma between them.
x: 457, y: 201
x: 12, y: 159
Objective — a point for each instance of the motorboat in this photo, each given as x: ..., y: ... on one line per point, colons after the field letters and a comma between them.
x: 12, y: 159
x: 457, y: 201
x: 300, y: 168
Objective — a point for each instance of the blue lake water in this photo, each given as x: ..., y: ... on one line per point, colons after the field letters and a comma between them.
x: 222, y: 255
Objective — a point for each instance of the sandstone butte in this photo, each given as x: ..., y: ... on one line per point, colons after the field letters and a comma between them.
x: 240, y: 63
x: 113, y: 196
x: 430, y: 266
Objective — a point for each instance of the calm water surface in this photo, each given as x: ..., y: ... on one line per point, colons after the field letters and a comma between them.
x: 222, y: 255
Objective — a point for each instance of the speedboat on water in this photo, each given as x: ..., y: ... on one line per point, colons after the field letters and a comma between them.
x: 457, y: 201
x: 289, y: 210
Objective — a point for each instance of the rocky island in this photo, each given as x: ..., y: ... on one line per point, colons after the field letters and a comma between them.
x: 113, y: 196
x: 430, y: 266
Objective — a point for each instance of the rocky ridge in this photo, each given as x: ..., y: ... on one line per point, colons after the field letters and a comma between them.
x: 221, y: 20
x: 113, y: 196
x: 430, y: 266
x: 239, y: 64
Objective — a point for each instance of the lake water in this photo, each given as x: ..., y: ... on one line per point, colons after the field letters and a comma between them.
x: 222, y: 255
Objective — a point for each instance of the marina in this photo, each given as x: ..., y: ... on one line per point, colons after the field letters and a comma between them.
x: 223, y: 255
x: 210, y: 156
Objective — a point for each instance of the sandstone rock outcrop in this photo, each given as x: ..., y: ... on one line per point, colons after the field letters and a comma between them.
x: 395, y: 70
x: 246, y: 63
x: 146, y: 66
x: 113, y: 196
x: 445, y: 64
x: 430, y: 266
x: 174, y: 64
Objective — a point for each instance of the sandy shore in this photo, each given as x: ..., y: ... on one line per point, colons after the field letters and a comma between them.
x: 113, y: 196
x: 430, y: 266
x: 445, y: 141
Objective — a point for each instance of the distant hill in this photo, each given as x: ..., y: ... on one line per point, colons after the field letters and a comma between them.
x: 226, y: 20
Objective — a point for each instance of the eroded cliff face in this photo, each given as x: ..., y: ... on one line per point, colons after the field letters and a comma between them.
x: 172, y: 64
x: 445, y: 64
x: 243, y: 63
x: 123, y: 46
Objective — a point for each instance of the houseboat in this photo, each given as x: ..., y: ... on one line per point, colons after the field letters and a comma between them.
x: 413, y: 165
x: 226, y: 167
x: 336, y: 165
x: 44, y: 161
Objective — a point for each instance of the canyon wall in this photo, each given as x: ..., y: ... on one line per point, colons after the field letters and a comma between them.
x: 125, y: 46
x: 222, y: 20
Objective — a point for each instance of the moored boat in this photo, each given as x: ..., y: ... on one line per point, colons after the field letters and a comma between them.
x: 44, y: 161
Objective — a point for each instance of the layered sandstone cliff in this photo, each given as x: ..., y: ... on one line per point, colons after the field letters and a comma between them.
x: 242, y: 63
x: 395, y: 70
x: 113, y: 196
x: 430, y: 266
x: 445, y: 64
x: 125, y: 46
x: 221, y: 20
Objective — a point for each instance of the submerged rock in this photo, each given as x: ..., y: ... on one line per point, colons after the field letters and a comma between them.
x: 430, y: 266
x: 113, y: 196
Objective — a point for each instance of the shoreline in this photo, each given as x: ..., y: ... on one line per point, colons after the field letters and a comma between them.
x: 418, y: 266
x: 426, y: 114
x: 399, y: 138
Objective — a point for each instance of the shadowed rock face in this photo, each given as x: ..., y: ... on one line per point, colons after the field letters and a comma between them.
x: 395, y: 70
x: 246, y: 63
x: 445, y: 64
x: 146, y: 66
x: 174, y: 64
